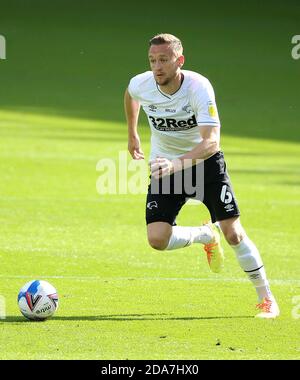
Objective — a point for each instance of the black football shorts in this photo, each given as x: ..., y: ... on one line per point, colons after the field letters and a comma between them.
x: 208, y: 182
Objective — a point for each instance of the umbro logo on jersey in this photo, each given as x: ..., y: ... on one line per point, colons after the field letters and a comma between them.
x: 169, y: 124
x: 152, y: 108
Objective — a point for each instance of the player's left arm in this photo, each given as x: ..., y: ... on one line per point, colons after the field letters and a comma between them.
x: 209, y: 145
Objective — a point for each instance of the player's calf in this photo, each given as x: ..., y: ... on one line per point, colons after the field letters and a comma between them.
x: 157, y: 242
x: 159, y: 234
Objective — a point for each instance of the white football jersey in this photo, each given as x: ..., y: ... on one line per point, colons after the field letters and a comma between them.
x: 174, y: 119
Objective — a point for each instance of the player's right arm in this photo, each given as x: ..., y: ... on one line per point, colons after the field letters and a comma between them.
x: 132, y: 110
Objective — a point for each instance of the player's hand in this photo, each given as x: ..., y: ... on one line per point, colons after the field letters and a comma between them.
x: 161, y: 167
x: 134, y: 147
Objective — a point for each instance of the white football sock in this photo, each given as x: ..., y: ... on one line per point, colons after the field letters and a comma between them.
x: 185, y: 236
x: 250, y: 261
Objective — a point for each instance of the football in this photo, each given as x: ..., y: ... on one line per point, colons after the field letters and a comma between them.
x: 37, y: 300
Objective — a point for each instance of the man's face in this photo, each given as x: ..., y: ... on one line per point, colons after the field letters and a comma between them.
x: 164, y: 63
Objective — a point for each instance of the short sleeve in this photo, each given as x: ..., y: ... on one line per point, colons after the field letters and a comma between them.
x: 133, y: 88
x: 205, y: 105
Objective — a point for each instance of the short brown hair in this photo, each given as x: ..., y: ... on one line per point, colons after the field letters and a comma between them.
x: 166, y: 38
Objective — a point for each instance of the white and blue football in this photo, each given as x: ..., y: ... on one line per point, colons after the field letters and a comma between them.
x: 38, y: 300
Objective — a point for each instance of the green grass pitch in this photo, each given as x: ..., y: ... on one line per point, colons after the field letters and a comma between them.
x: 61, y: 90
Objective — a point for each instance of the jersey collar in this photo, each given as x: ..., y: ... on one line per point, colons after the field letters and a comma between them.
x: 169, y: 96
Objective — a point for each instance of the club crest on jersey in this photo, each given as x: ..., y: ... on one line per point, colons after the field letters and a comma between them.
x: 168, y: 124
x: 187, y: 108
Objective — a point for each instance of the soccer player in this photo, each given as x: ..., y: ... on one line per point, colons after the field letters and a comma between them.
x: 185, y: 128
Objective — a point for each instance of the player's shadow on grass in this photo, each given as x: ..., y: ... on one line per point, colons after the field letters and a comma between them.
x: 126, y: 317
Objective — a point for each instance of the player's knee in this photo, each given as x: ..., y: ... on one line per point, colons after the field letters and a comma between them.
x: 233, y: 236
x: 158, y: 242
